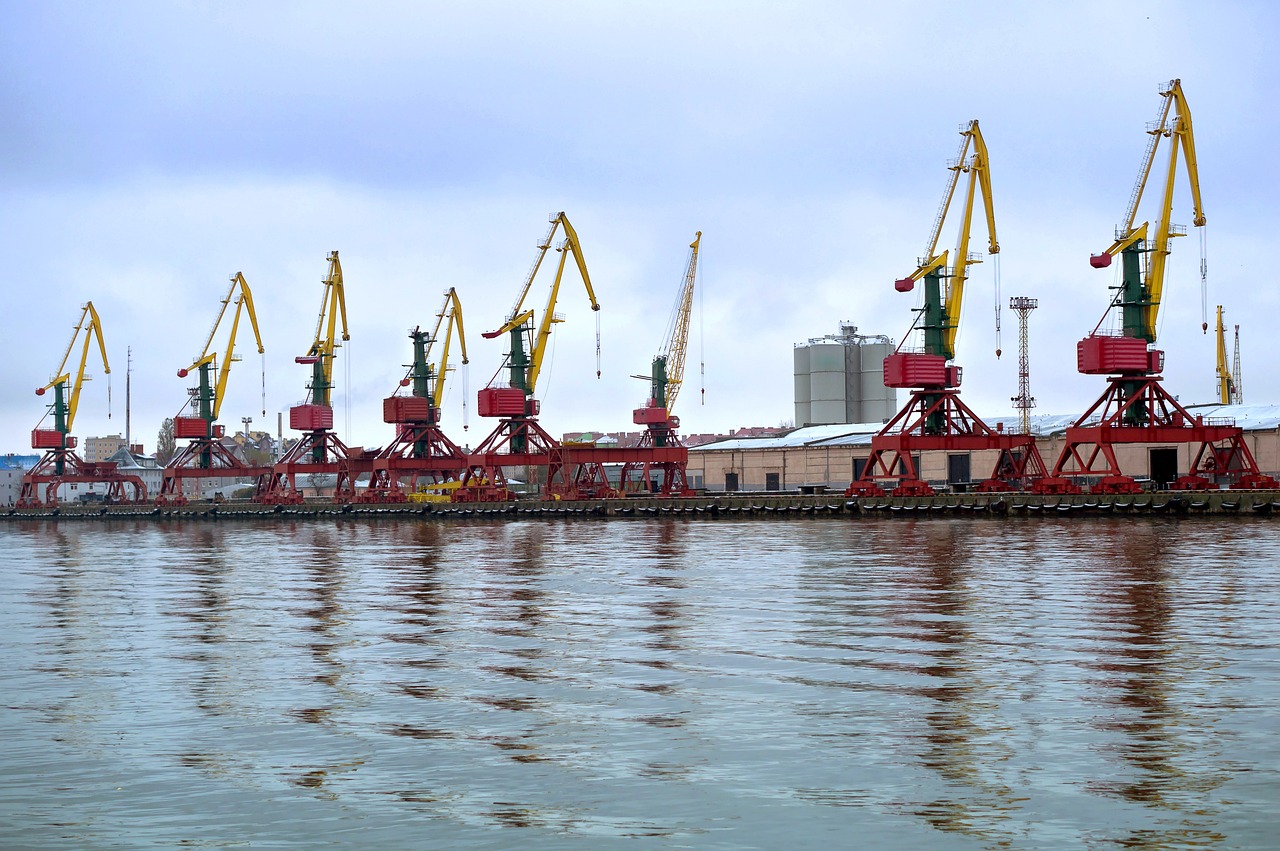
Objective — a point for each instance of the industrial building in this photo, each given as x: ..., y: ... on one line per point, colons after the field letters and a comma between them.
x: 831, y: 456
x: 839, y: 378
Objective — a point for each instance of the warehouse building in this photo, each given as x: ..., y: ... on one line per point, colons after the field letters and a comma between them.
x: 829, y: 457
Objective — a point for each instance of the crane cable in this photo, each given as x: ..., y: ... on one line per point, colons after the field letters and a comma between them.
x: 346, y: 394
x: 466, y: 422
x: 1204, y: 280
x: 997, y: 289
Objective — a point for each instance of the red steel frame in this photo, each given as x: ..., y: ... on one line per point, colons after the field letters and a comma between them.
x: 300, y: 460
x: 225, y: 466
x: 75, y: 470
x: 483, y: 479
x: 1090, y: 443
x: 1017, y: 464
x: 671, y: 461
x: 443, y: 461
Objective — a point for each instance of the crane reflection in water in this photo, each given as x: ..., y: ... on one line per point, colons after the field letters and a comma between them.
x: 1166, y: 759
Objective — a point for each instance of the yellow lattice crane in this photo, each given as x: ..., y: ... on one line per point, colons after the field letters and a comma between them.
x: 526, y: 367
x: 428, y: 379
x: 1143, y: 259
x: 940, y: 317
x: 206, y: 399
x: 333, y: 306
x: 65, y: 406
x: 1226, y: 382
x: 667, y: 374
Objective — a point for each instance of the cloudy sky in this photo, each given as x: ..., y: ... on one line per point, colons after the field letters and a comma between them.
x: 151, y: 150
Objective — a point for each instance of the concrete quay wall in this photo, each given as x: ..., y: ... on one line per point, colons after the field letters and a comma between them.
x: 717, y: 506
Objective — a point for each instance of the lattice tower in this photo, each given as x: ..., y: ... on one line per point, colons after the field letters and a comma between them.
x: 1024, y: 401
x: 1237, y: 394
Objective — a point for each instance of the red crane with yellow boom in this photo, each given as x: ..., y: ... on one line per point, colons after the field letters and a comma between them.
x: 60, y: 463
x: 319, y: 451
x: 935, y: 418
x: 519, y: 439
x: 1135, y: 408
x: 421, y: 449
x: 206, y: 456
x: 663, y: 453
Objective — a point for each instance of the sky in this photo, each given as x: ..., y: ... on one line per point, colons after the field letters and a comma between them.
x: 150, y: 151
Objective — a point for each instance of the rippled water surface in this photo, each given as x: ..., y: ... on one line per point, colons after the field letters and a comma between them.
x: 708, y: 684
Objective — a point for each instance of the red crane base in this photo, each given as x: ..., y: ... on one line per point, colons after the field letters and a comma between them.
x: 78, y: 471
x: 936, y: 419
x: 637, y: 477
x: 335, y: 460
x: 1137, y: 409
x: 483, y: 480
x: 224, y: 465
x: 587, y: 478
x: 442, y: 461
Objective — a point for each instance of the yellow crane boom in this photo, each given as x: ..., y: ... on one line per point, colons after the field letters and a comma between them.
x: 65, y: 410
x: 333, y: 306
x: 678, y: 328
x: 941, y: 316
x: 526, y: 369
x: 449, y: 316
x: 209, y: 355
x: 1226, y: 384
x: 1142, y: 292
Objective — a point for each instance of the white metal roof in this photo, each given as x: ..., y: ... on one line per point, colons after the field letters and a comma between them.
x: 1248, y: 417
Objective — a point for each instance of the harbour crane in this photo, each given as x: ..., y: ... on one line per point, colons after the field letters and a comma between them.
x: 939, y: 319
x: 420, y: 448
x: 667, y: 372
x: 205, y: 456
x: 1135, y: 408
x: 935, y: 418
x: 1226, y: 382
x: 1237, y: 377
x: 1144, y: 254
x: 658, y: 441
x: 319, y: 451
x: 519, y: 439
x: 528, y: 346
x: 65, y: 404
x: 60, y: 463
x: 317, y: 414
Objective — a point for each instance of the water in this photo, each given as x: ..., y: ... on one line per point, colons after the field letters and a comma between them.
x: 962, y: 683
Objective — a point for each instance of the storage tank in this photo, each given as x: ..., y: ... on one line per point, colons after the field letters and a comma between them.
x: 839, y: 379
x: 803, y: 408
x: 878, y: 403
x: 826, y: 382
x: 852, y: 382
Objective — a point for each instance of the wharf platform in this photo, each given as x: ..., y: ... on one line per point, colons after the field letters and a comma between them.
x: 717, y: 506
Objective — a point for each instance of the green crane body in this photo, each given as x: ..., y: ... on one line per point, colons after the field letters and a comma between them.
x: 422, y: 380
x: 204, y: 402
x: 60, y: 424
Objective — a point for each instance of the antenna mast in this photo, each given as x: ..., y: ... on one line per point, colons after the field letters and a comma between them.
x: 1024, y: 401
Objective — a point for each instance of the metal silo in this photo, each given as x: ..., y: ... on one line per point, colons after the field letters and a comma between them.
x: 804, y: 413
x: 878, y: 403
x: 839, y: 379
x: 826, y: 382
